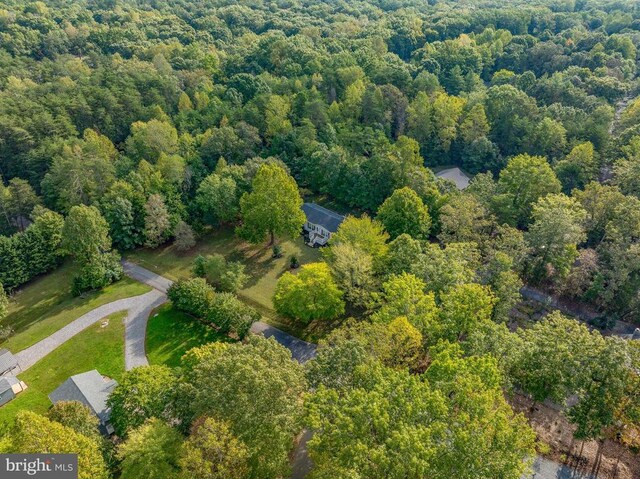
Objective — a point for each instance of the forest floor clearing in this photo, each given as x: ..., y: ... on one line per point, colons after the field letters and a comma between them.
x: 606, y: 460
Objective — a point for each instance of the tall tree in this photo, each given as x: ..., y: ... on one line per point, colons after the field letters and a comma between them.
x: 404, y: 212
x: 157, y: 223
x: 142, y: 393
x: 213, y: 452
x: 272, y: 208
x: 85, y: 236
x: 257, y: 389
x: 524, y: 180
x: 35, y: 434
x: 556, y: 231
x: 150, y: 451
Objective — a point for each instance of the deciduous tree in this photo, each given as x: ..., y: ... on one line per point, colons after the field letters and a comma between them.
x: 272, y: 208
x: 404, y: 212
x: 309, y: 294
x: 213, y: 452
x: 151, y: 451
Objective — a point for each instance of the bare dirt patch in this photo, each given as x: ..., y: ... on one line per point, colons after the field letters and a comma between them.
x: 604, y: 460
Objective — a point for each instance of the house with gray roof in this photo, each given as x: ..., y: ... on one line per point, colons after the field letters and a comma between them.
x: 8, y: 362
x: 320, y: 225
x: 91, y: 389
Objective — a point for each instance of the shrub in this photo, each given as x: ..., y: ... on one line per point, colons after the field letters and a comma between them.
x: 232, y: 315
x: 100, y: 272
x: 193, y: 296
x: 223, y: 275
x: 223, y: 310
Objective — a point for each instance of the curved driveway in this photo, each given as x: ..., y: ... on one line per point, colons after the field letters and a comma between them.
x: 138, y: 307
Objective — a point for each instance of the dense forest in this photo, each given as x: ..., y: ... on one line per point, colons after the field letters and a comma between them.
x: 128, y: 124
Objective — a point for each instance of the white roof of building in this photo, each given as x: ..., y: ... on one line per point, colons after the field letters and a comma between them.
x: 459, y: 177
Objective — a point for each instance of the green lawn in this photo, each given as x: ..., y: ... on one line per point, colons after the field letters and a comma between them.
x: 97, y: 347
x: 171, y: 333
x: 262, y: 269
x: 45, y: 305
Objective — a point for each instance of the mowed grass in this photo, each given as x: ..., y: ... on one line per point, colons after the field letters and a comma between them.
x: 171, y: 333
x: 45, y: 305
x: 96, y: 347
x: 262, y: 268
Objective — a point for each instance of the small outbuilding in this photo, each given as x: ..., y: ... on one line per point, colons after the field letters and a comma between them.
x: 8, y: 362
x: 10, y: 386
x: 456, y: 175
x: 321, y: 224
x: 91, y: 389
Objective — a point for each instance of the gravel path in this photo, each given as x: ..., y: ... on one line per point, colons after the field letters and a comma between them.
x: 135, y: 332
x: 28, y: 357
x: 147, y: 277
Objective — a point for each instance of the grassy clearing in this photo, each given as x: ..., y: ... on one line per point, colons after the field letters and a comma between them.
x: 97, y: 347
x: 171, y: 333
x: 45, y: 305
x: 262, y: 269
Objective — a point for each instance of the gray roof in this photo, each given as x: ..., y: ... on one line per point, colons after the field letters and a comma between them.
x: 7, y: 382
x: 90, y: 388
x: 7, y: 361
x: 317, y: 215
x: 459, y: 177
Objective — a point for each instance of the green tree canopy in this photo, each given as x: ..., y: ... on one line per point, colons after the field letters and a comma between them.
x: 272, y: 208
x: 309, y: 294
x: 404, y: 212
x: 257, y: 389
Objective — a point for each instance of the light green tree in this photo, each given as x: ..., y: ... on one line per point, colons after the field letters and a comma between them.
x: 557, y: 229
x: 352, y: 270
x: 257, y: 389
x: 150, y: 451
x: 85, y: 236
x: 217, y: 199
x: 461, y: 397
x: 212, y: 452
x: 404, y: 212
x: 309, y: 294
x: 142, y: 393
x: 463, y: 308
x: 149, y: 139
x: 522, y: 182
x: 404, y: 296
x: 35, y: 434
x: 366, y: 234
x: 577, y: 168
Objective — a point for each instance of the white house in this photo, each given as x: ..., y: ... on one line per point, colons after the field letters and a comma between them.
x: 321, y: 224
